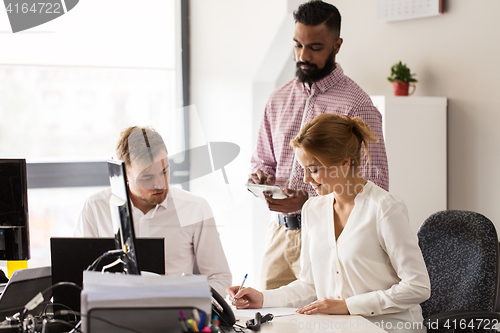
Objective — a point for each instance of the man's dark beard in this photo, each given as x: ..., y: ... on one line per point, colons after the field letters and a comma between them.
x: 315, y: 74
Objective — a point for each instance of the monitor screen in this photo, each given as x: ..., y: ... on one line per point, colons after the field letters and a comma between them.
x: 14, y: 225
x: 22, y: 287
x: 71, y: 256
x: 121, y: 214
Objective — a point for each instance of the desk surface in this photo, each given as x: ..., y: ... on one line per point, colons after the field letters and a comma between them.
x: 299, y: 323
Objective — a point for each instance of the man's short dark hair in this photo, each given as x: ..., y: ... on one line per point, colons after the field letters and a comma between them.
x: 316, y: 12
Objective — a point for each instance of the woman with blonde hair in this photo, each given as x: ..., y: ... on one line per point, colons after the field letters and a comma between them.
x: 359, y: 254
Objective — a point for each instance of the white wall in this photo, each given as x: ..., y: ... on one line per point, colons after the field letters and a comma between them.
x: 229, y: 40
x: 454, y: 55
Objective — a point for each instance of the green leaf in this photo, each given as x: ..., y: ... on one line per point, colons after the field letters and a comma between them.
x: 401, y: 72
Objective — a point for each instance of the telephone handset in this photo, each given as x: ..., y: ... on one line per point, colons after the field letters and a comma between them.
x: 222, y: 310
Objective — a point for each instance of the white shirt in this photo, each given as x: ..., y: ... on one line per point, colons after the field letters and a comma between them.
x: 197, y: 238
x: 375, y: 265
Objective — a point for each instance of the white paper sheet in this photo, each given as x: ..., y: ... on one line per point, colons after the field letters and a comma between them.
x: 115, y: 286
x: 277, y: 312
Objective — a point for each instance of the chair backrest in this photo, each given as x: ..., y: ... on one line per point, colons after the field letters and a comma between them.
x: 460, y: 250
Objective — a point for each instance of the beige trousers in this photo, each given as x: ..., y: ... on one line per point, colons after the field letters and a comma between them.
x: 281, y: 262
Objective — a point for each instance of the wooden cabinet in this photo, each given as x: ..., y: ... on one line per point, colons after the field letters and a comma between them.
x: 415, y: 139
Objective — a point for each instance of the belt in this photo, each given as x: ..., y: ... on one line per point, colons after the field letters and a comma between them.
x: 290, y: 222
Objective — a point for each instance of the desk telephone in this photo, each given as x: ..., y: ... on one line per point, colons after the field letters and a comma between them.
x: 221, y: 309
x: 226, y: 315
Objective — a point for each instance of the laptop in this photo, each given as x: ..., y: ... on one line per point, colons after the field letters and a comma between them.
x: 71, y: 256
x: 22, y: 287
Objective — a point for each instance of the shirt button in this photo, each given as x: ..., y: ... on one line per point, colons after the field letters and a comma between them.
x: 373, y: 313
x: 337, y: 272
x: 338, y: 296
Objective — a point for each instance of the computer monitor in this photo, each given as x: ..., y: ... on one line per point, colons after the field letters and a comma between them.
x: 14, y: 225
x: 21, y: 288
x: 70, y: 256
x: 121, y: 214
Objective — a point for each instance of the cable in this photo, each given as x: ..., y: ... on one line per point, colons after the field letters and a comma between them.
x: 113, y: 264
x: 59, y: 321
x: 38, y: 299
x: 44, y: 311
x: 110, y: 253
x: 60, y: 312
x: 76, y: 328
x: 44, y: 325
x: 254, y: 324
x: 64, y: 283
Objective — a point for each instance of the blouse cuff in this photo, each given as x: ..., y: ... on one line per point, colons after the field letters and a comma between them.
x: 273, y: 298
x: 365, y: 304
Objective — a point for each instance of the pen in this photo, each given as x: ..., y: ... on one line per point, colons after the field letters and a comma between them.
x: 196, y: 316
x: 201, y: 324
x: 182, y: 320
x: 193, y: 325
x: 241, y: 287
x: 183, y: 325
x: 183, y: 317
x: 216, y: 323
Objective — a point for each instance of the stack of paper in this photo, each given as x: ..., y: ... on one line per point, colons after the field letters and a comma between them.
x: 145, y: 303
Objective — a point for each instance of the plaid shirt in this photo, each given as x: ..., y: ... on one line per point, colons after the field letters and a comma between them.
x: 335, y: 93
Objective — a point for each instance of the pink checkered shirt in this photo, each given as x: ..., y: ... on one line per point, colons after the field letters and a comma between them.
x: 335, y: 93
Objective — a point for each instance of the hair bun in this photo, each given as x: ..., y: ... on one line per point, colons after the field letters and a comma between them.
x: 331, y: 138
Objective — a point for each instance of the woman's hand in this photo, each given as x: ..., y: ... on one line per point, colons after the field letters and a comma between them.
x: 326, y: 306
x: 246, y: 298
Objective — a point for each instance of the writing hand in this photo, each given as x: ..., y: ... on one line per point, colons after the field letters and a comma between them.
x: 294, y: 202
x: 326, y: 306
x: 246, y: 298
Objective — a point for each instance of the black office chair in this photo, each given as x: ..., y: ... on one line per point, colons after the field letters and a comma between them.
x: 460, y: 250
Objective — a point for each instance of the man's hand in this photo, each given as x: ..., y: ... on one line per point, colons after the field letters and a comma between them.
x: 260, y: 177
x: 294, y: 202
x: 246, y: 298
x: 326, y: 306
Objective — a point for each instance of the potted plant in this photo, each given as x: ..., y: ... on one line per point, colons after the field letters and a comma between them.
x: 401, y: 78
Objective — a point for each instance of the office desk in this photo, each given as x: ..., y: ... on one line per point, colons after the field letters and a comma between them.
x: 299, y: 323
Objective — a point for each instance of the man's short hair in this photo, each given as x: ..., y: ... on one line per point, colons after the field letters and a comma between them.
x: 140, y: 144
x: 316, y: 12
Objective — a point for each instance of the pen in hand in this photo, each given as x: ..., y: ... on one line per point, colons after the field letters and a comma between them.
x: 241, y: 287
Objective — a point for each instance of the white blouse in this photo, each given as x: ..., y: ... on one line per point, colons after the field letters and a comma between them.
x: 375, y: 265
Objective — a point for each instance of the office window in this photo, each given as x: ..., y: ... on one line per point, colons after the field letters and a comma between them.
x: 55, y: 113
x: 71, y: 85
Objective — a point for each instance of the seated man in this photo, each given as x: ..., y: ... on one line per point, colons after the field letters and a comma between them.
x: 183, y: 219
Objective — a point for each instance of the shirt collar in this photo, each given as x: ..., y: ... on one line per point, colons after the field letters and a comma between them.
x: 327, y: 82
x: 165, y: 202
x: 153, y: 211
